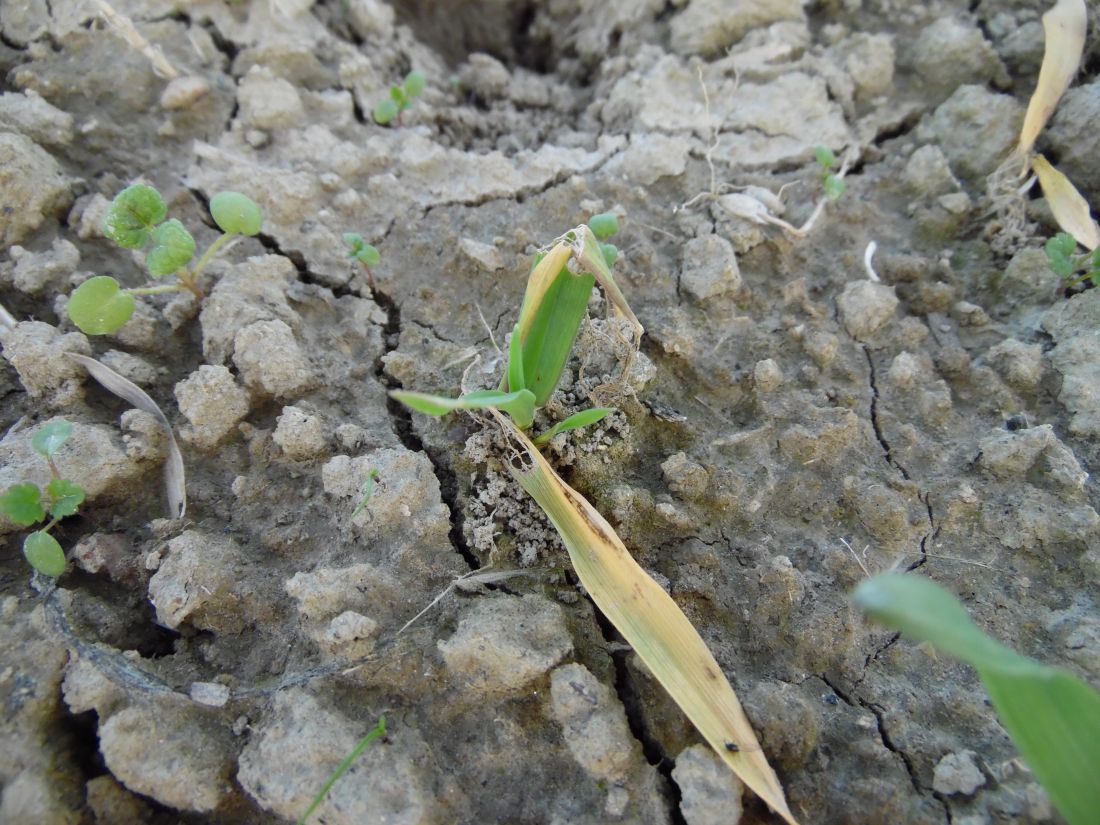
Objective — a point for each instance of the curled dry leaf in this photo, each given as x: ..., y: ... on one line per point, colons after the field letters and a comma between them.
x: 649, y: 620
x: 1065, y: 26
x: 174, y: 481
x: 1069, y: 206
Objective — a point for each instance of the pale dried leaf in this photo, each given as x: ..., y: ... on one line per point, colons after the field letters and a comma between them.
x: 174, y: 481
x: 1070, y: 208
x: 649, y: 620
x: 1064, y: 26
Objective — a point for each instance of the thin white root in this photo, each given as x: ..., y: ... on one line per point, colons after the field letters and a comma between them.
x: 868, y: 257
x: 7, y: 320
x: 855, y: 556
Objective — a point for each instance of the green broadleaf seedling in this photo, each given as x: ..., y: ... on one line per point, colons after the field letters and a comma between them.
x: 400, y: 99
x: 1051, y: 715
x: 136, y: 217
x: 25, y: 503
x: 832, y: 184
x: 360, y: 250
x: 1072, y: 268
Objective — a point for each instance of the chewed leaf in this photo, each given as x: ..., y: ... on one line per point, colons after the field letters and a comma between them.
x: 574, y: 422
x: 133, y: 214
x: 44, y: 554
x: 1051, y: 715
x: 173, y: 248
x: 23, y: 504
x: 650, y: 621
x: 51, y: 436
x: 1064, y: 27
x: 519, y: 404
x: 99, y: 306
x: 235, y: 213
x: 1070, y: 208
x: 67, y: 497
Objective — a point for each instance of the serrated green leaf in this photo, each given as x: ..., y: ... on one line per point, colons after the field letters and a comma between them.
x: 22, y: 503
x: 44, y: 554
x: 173, y: 248
x: 573, y: 422
x: 604, y: 225
x: 824, y: 157
x: 50, y: 436
x: 133, y: 215
x: 1051, y: 715
x: 384, y: 112
x: 66, y: 496
x: 834, y: 187
x: 235, y: 213
x: 99, y: 306
x: 414, y: 84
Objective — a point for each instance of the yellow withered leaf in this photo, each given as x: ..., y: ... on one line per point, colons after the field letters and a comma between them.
x: 649, y: 620
x: 1064, y: 26
x: 1069, y: 206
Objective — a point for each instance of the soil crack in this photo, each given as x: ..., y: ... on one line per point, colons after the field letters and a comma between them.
x: 875, y: 423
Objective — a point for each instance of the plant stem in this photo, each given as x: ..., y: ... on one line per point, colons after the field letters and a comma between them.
x: 1088, y: 276
x: 208, y: 254
x: 156, y: 290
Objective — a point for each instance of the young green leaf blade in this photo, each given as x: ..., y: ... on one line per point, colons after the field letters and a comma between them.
x: 557, y: 319
x: 44, y: 554
x: 133, y: 214
x: 651, y: 622
x: 99, y: 306
x: 519, y: 404
x: 573, y: 422
x: 173, y: 248
x: 1052, y: 716
x: 22, y: 503
x: 66, y: 496
x: 375, y: 732
x: 515, y: 361
x: 51, y: 436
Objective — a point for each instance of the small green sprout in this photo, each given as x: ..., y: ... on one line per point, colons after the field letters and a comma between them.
x: 26, y: 504
x: 400, y: 99
x: 834, y: 186
x: 603, y: 226
x: 549, y: 320
x: 372, y: 476
x: 374, y: 733
x: 363, y: 252
x: 137, y: 217
x: 1068, y: 265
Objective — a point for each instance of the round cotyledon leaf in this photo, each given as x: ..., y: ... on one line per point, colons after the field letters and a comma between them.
x: 51, y: 436
x: 99, y: 306
x: 236, y: 213
x: 44, y: 554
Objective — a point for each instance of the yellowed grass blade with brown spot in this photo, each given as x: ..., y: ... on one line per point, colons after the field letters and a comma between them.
x: 649, y: 620
x: 1069, y: 206
x: 1064, y: 26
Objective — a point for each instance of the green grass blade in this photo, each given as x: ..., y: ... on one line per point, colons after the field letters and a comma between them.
x: 515, y: 361
x: 375, y: 732
x: 553, y: 329
x: 573, y: 422
x: 519, y: 404
x: 1051, y: 715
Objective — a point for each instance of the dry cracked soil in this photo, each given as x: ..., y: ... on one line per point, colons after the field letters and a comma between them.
x: 791, y: 423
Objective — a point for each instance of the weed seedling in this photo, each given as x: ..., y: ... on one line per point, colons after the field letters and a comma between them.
x: 372, y: 476
x: 1068, y: 265
x: 374, y: 733
x: 137, y: 217
x: 26, y: 504
x: 361, y: 251
x: 832, y: 184
x: 603, y: 226
x: 400, y: 99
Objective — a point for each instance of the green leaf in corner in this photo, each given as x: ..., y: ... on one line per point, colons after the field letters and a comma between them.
x: 44, y: 553
x: 573, y: 422
x: 133, y: 214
